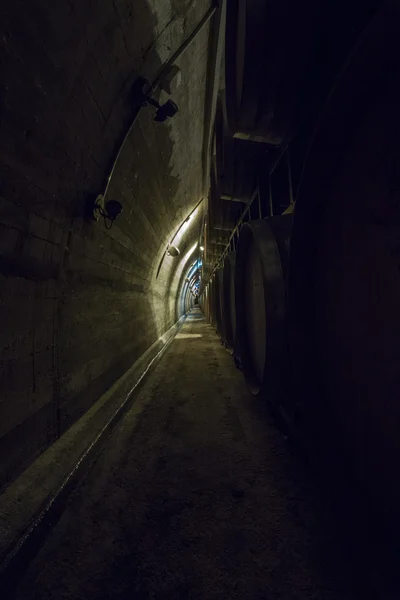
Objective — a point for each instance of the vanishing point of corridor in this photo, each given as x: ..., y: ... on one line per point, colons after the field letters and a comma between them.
x: 199, y: 291
x: 196, y: 495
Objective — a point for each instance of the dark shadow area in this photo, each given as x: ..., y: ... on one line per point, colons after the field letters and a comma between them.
x: 77, y: 297
x: 221, y: 506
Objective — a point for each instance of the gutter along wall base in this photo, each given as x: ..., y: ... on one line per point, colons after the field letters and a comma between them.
x: 33, y: 502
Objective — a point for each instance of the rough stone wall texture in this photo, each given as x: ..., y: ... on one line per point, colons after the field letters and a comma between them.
x: 80, y: 303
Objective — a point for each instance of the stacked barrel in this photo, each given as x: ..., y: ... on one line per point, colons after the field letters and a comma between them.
x: 256, y: 114
x: 246, y: 302
x: 308, y: 304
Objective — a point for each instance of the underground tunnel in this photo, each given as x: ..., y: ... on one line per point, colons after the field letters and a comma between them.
x: 199, y: 263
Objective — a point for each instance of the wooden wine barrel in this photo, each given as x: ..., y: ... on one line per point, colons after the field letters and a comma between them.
x: 212, y: 303
x: 267, y: 46
x: 218, y: 304
x: 207, y: 295
x: 229, y: 299
x: 260, y: 295
x: 206, y: 300
x: 344, y: 285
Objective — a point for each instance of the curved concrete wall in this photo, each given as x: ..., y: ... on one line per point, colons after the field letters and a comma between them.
x: 81, y: 303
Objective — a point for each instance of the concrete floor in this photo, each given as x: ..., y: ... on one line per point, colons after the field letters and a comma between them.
x: 196, y: 495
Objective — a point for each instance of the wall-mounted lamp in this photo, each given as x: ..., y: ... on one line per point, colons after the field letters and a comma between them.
x: 201, y: 248
x: 143, y: 98
x: 109, y: 210
x: 173, y: 251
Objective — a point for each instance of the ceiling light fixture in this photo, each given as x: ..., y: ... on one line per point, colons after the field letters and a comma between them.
x: 173, y: 251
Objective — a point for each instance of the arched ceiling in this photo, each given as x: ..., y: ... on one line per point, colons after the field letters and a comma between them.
x: 159, y: 175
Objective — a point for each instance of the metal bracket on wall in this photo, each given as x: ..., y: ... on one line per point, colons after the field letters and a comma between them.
x: 142, y: 89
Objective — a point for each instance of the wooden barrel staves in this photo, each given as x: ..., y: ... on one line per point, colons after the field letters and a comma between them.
x: 260, y: 295
x: 212, y: 301
x: 209, y: 301
x: 218, y: 303
x: 206, y: 303
x: 344, y: 285
x: 229, y: 300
